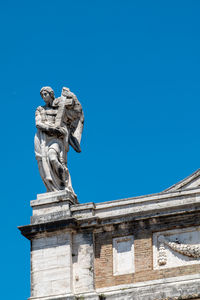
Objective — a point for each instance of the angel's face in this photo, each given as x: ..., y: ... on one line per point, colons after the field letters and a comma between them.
x: 46, y: 97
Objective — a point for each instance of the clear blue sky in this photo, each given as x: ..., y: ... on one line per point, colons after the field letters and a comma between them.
x: 134, y: 66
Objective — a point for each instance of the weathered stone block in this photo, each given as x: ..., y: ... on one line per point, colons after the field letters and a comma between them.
x: 48, y: 271
x: 83, y: 262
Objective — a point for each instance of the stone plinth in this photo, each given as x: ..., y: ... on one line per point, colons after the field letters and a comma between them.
x: 138, y: 248
x: 52, y: 206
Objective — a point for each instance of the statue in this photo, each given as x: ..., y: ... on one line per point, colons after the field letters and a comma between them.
x: 59, y: 124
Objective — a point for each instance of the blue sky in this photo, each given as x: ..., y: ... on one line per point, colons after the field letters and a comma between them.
x: 134, y: 66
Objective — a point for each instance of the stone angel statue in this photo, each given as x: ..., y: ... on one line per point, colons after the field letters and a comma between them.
x: 59, y: 124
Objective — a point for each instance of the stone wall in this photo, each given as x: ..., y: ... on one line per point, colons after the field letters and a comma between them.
x: 142, y: 248
x: 142, y: 232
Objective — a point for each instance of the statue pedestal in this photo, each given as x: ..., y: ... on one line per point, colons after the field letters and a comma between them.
x: 52, y: 206
x: 61, y: 257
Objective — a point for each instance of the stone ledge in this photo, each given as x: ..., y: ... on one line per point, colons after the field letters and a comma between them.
x: 183, y: 287
x: 144, y: 206
x: 84, y: 206
x: 48, y: 209
x: 148, y: 198
x: 97, y: 223
x: 150, y: 283
x: 170, y: 196
x: 88, y: 296
x: 148, y: 209
x: 29, y: 231
x: 66, y: 297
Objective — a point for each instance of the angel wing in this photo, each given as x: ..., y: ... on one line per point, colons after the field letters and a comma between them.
x: 75, y: 118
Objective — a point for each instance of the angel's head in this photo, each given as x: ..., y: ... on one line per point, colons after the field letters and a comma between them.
x: 47, y: 94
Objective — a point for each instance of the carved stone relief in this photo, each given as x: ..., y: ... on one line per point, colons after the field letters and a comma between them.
x: 174, y: 248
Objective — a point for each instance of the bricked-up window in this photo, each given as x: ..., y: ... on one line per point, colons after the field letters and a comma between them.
x: 123, y: 255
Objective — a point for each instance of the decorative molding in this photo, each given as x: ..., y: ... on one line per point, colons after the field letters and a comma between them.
x: 185, y: 249
x: 176, y: 247
x: 162, y: 255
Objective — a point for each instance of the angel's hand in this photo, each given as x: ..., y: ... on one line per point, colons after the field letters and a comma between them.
x: 61, y: 131
x: 41, y: 126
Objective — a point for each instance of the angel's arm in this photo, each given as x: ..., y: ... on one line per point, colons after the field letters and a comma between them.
x: 51, y: 130
x: 38, y: 119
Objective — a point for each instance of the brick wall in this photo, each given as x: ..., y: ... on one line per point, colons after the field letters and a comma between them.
x: 142, y: 231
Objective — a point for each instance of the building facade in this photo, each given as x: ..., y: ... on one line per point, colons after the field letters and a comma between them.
x: 141, y: 248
